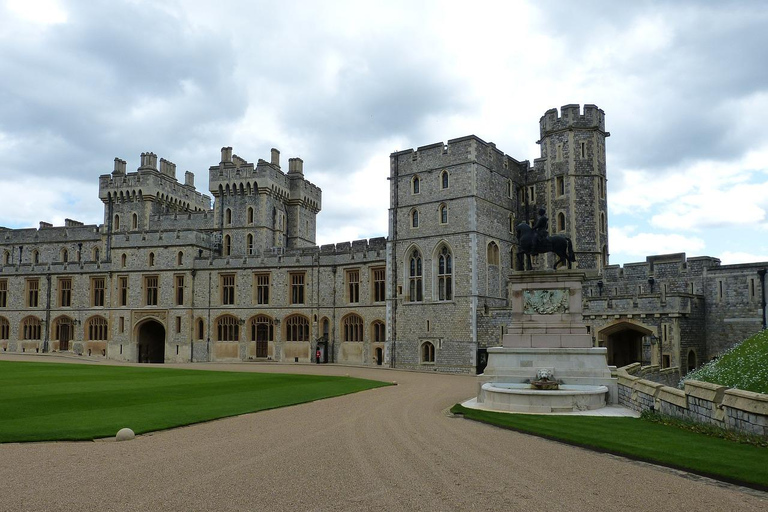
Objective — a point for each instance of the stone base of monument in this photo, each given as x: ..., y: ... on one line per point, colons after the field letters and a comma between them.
x: 547, y: 343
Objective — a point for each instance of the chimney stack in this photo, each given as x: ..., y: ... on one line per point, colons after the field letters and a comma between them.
x: 226, y: 154
x: 189, y: 179
x: 275, y: 157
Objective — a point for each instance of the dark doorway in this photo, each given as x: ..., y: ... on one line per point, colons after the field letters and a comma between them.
x: 65, y: 334
x: 262, y: 340
x: 379, y: 356
x: 625, y: 347
x: 151, y: 342
x: 482, y: 360
x: 322, y: 347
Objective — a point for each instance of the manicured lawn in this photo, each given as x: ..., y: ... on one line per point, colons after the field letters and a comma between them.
x: 50, y: 401
x: 643, y: 440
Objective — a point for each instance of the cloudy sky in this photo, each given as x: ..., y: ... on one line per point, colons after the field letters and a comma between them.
x: 343, y: 84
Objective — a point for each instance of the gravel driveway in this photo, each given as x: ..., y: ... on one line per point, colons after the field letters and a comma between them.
x: 393, y: 448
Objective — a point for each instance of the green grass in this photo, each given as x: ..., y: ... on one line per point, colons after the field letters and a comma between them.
x: 642, y: 440
x: 49, y: 401
x: 744, y: 366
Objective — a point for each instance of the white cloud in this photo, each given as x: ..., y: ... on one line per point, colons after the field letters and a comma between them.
x: 626, y: 244
x: 732, y: 258
x: 45, y: 12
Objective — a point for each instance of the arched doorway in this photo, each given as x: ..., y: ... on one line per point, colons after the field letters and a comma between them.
x: 151, y: 338
x: 624, y: 341
x: 379, y: 356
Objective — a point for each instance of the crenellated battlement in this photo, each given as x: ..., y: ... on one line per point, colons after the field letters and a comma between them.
x: 570, y: 116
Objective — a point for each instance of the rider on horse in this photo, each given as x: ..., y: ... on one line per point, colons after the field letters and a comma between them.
x: 541, y: 228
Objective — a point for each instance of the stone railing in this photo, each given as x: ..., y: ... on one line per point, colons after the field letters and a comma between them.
x: 702, y: 402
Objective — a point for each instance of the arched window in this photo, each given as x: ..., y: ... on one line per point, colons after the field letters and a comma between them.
x: 427, y: 352
x: 415, y: 218
x: 227, y: 245
x: 414, y: 277
x: 509, y: 189
x: 180, y: 258
x: 123, y: 260
x: 603, y: 227
x: 250, y: 215
x: 64, y: 255
x: 96, y: 328
x: 134, y: 221
x: 116, y: 223
x: 444, y: 275
x: 62, y: 328
x: 353, y: 327
x: 443, y: 214
x: 30, y: 328
x: 200, y: 329
x: 249, y: 243
x: 415, y: 185
x: 296, y: 328
x: 444, y: 179
x: 35, y: 257
x: 262, y: 328
x: 5, y: 329
x: 228, y: 328
x: 493, y: 253
x: 229, y: 216
x: 6, y: 258
x: 151, y: 259
x: 691, y: 360
x: 326, y: 328
x: 378, y: 331
x: 561, y: 221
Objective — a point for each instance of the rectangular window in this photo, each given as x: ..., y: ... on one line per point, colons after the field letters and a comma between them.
x: 353, y: 286
x: 97, y: 292
x: 3, y: 293
x: 560, y: 185
x: 150, y: 288
x: 379, y: 285
x: 228, y: 289
x: 179, y: 290
x: 65, y: 293
x: 122, y: 290
x: 178, y: 324
x: 261, y: 288
x: 297, y: 288
x: 33, y: 292
x: 532, y: 194
x: 122, y: 324
x: 720, y: 289
x: 752, y: 289
x: 583, y: 150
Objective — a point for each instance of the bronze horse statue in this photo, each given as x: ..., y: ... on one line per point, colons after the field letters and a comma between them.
x: 560, y: 245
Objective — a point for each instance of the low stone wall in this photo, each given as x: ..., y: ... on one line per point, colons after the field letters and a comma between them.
x: 702, y: 402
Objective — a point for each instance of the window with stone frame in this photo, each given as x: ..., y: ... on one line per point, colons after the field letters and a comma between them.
x: 228, y: 216
x: 122, y: 290
x: 250, y: 215
x: 378, y: 331
x: 249, y: 244
x: 227, y: 245
x: 415, y: 218
x: 227, y: 283
x: 97, y: 292
x: 445, y: 275
x: 33, y: 292
x: 262, y: 328
x: 443, y: 213
x: 297, y: 287
x: 531, y: 194
x: 179, y: 284
x: 415, y: 185
x: 296, y: 328
x: 64, y: 255
x: 227, y: 328
x: 96, y: 328
x: 415, y: 291
x: 493, y: 253
x: 5, y: 329
x: 427, y: 352
x: 200, y: 329
x: 151, y: 259
x: 560, y: 186
x: 6, y: 257
x: 35, y: 257
x: 65, y: 292
x: 30, y: 328
x: 444, y: 179
x: 561, y: 222
x: 352, y: 327
x: 379, y: 284
x: 123, y: 260
x: 151, y: 287
x: 261, y: 288
x: 180, y: 258
x: 134, y: 222
x: 353, y: 286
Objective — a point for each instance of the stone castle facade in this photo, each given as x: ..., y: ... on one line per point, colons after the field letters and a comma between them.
x: 167, y: 277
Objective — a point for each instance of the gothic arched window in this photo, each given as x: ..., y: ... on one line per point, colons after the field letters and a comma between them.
x: 414, y: 277
x: 444, y: 275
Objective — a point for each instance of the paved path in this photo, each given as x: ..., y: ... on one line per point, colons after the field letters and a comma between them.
x: 386, y: 449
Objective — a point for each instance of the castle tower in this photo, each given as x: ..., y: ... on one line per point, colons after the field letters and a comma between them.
x: 571, y: 180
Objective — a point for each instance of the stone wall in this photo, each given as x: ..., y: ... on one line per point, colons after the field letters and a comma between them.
x: 701, y: 402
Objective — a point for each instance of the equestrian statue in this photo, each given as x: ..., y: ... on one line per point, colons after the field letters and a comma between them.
x: 536, y: 240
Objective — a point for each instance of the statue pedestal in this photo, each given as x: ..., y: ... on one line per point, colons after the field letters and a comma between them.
x: 547, y: 333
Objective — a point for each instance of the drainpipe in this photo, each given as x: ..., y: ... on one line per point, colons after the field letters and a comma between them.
x: 47, y: 313
x: 761, y: 273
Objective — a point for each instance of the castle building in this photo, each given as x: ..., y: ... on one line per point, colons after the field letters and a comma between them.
x: 170, y: 277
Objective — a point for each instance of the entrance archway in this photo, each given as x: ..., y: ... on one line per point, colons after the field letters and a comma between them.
x: 624, y: 341
x: 151, y: 338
